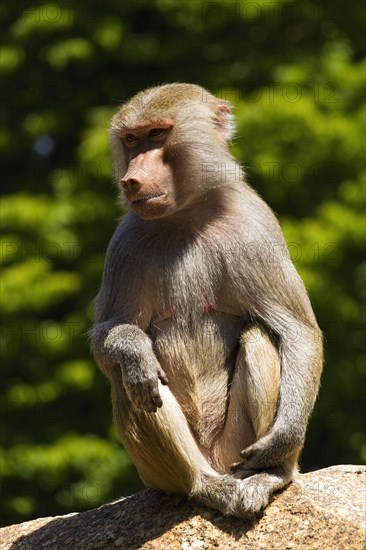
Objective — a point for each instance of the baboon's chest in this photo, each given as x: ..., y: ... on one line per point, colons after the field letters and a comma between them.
x: 190, y: 281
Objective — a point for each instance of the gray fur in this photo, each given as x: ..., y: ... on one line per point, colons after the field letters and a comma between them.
x: 206, y: 300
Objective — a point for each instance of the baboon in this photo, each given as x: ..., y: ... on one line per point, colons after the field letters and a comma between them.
x: 202, y: 324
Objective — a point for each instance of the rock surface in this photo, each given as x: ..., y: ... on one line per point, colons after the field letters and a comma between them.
x: 320, y: 510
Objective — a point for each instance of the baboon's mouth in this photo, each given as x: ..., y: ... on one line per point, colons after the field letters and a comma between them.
x: 147, y: 198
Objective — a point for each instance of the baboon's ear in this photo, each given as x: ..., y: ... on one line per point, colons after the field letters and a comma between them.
x: 224, y: 120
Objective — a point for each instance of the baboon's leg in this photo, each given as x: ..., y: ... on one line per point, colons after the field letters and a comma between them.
x: 252, y: 408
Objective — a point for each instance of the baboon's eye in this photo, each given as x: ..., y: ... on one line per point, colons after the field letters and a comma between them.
x: 130, y: 138
x: 157, y: 132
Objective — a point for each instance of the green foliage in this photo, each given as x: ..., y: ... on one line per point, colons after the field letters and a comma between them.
x: 295, y: 74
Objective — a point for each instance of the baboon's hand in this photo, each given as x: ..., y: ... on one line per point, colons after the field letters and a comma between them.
x: 241, y: 471
x: 269, y: 451
x: 141, y: 383
x: 128, y: 348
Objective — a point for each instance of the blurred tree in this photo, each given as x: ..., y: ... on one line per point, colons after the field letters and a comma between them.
x: 295, y: 72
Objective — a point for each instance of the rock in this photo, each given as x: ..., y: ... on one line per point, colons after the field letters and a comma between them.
x: 323, y: 510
